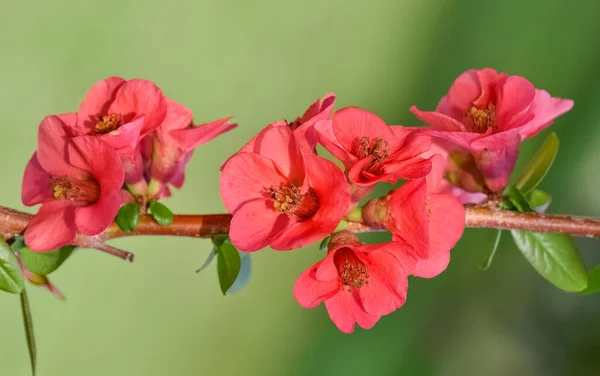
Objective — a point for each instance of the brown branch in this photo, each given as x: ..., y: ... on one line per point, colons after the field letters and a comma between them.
x: 13, y: 222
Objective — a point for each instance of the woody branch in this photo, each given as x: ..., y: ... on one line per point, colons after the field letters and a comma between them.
x: 13, y: 222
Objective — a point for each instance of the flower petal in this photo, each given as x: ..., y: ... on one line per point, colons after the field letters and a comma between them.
x: 92, y: 154
x: 546, y: 109
x: 247, y: 177
x: 93, y: 219
x: 279, y: 145
x: 516, y: 96
x: 410, y: 217
x: 465, y: 90
x: 344, y: 310
x: 352, y: 123
x: 53, y: 136
x: 254, y: 225
x: 309, y: 291
x: 52, y: 227
x: 96, y: 103
x: 36, y: 181
x: 323, y: 131
x: 190, y: 138
x: 124, y: 140
x: 137, y: 98
x: 446, y: 226
x: 438, y: 121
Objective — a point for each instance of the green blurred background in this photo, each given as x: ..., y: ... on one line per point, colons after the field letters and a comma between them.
x: 266, y: 60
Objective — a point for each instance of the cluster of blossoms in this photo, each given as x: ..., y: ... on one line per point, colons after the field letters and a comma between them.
x: 283, y: 195
x: 127, y: 142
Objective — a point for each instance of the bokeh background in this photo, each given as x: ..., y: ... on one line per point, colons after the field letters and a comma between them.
x: 266, y: 60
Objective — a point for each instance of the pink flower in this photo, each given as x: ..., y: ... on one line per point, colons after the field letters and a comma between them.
x: 490, y: 114
x: 77, y: 181
x: 174, y: 141
x: 431, y: 223
x: 280, y: 197
x: 370, y: 150
x: 358, y: 283
x: 302, y: 126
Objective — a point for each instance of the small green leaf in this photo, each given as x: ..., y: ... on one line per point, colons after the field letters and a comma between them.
x: 209, y: 259
x: 11, y: 276
x: 539, y: 200
x: 28, y: 323
x: 18, y: 243
x: 324, y: 243
x: 161, y: 214
x: 244, y: 274
x: 539, y: 166
x: 517, y: 198
x: 505, y: 204
x: 593, y: 281
x: 555, y: 257
x: 488, y: 261
x: 45, y: 262
x: 228, y: 265
x: 128, y: 216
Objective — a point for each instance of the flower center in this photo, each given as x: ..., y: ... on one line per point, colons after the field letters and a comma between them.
x: 288, y: 200
x: 353, y: 273
x: 108, y: 123
x: 64, y: 188
x: 378, y: 150
x: 482, y: 120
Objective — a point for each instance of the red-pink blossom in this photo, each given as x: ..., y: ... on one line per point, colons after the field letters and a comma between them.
x: 77, y: 181
x: 280, y: 197
x: 358, y: 283
x: 490, y: 114
x: 431, y: 223
x: 307, y: 141
x: 372, y: 151
x: 170, y: 148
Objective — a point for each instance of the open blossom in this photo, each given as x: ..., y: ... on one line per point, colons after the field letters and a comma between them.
x: 358, y: 283
x: 77, y: 181
x: 490, y: 114
x: 372, y: 151
x: 280, y: 197
x: 320, y: 110
x: 170, y: 148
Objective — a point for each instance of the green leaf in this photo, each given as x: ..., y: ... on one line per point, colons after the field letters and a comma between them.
x: 593, y: 281
x: 11, y: 276
x: 209, y: 259
x: 488, y: 261
x: 555, y: 257
x: 161, y: 214
x: 539, y: 200
x: 228, y: 265
x: 28, y: 323
x: 516, y: 197
x: 244, y: 274
x: 128, y: 216
x: 18, y: 243
x: 539, y: 166
x: 324, y: 243
x: 45, y: 262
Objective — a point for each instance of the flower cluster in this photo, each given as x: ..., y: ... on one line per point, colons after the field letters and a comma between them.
x: 126, y: 142
x: 283, y: 195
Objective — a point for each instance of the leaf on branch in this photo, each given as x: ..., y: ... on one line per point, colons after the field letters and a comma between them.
x: 45, y: 262
x: 555, y: 257
x: 324, y: 243
x: 161, y: 214
x: 18, y: 243
x: 538, y: 167
x: 128, y: 216
x: 488, y: 261
x: 28, y: 323
x: 593, y: 281
x: 228, y: 264
x: 11, y: 276
x: 539, y: 200
x: 517, y: 199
